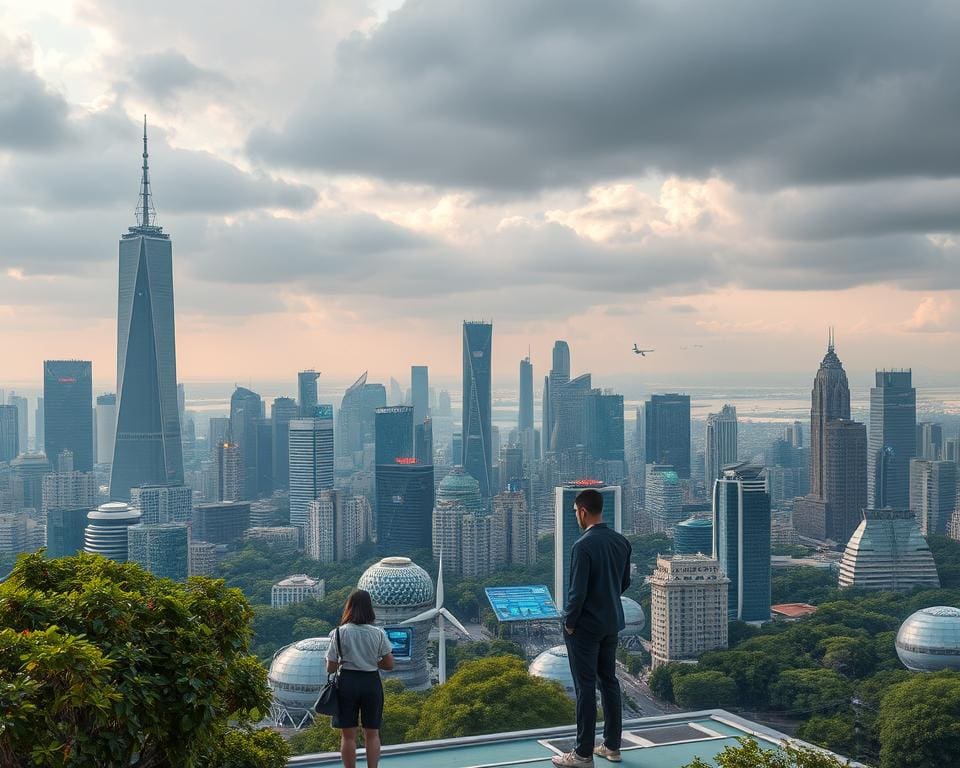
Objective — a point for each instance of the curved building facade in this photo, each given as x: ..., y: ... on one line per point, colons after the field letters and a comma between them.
x: 887, y: 551
x: 461, y: 488
x: 297, y: 673
x: 400, y: 589
x: 634, y: 622
x: 106, y: 531
x: 929, y: 640
x: 693, y: 536
x: 554, y: 664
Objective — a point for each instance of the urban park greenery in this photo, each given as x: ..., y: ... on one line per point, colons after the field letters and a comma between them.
x: 102, y: 664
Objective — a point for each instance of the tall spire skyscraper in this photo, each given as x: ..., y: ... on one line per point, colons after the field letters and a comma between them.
x: 477, y: 454
x: 830, y: 400
x: 147, y: 448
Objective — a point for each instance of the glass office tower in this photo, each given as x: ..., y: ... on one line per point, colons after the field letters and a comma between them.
x: 147, y: 448
x: 477, y: 349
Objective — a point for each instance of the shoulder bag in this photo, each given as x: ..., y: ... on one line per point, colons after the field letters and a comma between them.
x: 328, y: 702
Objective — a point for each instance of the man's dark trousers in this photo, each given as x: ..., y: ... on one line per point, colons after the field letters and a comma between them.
x: 593, y: 658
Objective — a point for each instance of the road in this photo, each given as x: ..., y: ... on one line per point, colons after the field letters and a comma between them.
x: 638, y: 692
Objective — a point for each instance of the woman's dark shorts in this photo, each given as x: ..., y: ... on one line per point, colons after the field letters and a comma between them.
x: 360, y: 694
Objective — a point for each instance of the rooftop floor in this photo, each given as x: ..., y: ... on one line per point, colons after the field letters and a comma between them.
x: 669, y: 741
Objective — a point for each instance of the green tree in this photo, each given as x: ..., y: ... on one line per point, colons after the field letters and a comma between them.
x: 705, y: 690
x: 486, y: 695
x: 805, y: 691
x: 753, y: 673
x: 251, y: 749
x: 946, y: 554
x: 802, y: 585
x: 919, y: 722
x: 664, y: 678
x: 103, y: 664
x: 749, y: 754
x: 833, y: 732
x: 850, y: 656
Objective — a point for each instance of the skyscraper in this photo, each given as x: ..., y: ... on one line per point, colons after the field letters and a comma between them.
x: 162, y: 503
x: 420, y: 393
x: 39, y: 427
x: 893, y: 439
x: 355, y: 425
x: 830, y: 399
x: 65, y: 530
x: 307, y: 392
x: 741, y: 540
x: 558, y: 377
x: 933, y: 494
x: 9, y: 436
x: 394, y: 433
x: 311, y: 461
x: 525, y: 416
x: 106, y: 421
x: 720, y: 444
x: 569, y: 413
x: 22, y: 405
x: 283, y: 410
x: 666, y: 421
x: 845, y: 477
x: 147, y: 449
x: 246, y: 410
x: 477, y: 446
x: 162, y: 549
x: 404, y: 506
x: 68, y: 410
x: 829, y: 402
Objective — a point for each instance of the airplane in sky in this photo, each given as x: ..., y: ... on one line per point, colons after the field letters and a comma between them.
x: 641, y: 352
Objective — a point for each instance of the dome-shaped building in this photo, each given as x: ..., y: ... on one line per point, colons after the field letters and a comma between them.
x: 400, y: 589
x: 693, y: 536
x: 106, y: 531
x: 929, y: 640
x: 461, y: 488
x: 297, y: 673
x: 634, y: 623
x: 554, y: 664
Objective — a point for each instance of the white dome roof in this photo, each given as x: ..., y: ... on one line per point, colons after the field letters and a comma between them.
x: 929, y: 639
x: 298, y: 672
x: 554, y: 664
x: 397, y: 582
x: 633, y: 617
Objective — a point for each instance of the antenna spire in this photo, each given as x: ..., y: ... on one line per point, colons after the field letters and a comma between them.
x: 830, y: 339
x: 145, y: 207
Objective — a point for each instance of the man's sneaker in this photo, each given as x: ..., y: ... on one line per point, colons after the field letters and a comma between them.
x: 613, y: 755
x: 572, y: 759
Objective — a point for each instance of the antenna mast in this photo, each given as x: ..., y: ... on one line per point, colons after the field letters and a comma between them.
x: 145, y: 209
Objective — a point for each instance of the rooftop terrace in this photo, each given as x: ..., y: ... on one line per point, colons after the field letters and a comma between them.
x: 669, y: 741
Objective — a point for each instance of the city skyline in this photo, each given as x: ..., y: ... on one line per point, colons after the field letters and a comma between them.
x: 383, y: 239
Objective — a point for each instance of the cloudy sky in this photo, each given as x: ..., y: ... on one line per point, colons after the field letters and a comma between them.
x: 346, y: 182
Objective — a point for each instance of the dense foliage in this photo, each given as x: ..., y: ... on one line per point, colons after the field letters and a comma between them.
x: 831, y: 672
x: 484, y: 696
x: 749, y: 754
x: 102, y: 664
x: 919, y: 722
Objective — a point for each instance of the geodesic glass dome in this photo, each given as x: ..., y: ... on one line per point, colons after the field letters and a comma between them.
x: 297, y: 673
x: 397, y: 582
x: 929, y: 639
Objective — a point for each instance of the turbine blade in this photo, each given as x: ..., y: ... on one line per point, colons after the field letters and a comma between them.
x: 428, y: 615
x: 453, y: 620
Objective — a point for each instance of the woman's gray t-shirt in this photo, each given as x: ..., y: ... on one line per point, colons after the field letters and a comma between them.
x: 362, y: 646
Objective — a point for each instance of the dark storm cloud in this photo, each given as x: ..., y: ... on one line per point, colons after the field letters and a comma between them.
x: 863, y: 210
x: 516, y: 96
x: 331, y: 252
x: 162, y: 75
x: 33, y: 116
x: 100, y: 168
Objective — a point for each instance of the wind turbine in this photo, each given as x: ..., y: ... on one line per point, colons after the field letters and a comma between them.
x: 440, y: 614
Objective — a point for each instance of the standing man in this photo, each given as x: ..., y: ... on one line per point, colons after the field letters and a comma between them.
x: 593, y: 618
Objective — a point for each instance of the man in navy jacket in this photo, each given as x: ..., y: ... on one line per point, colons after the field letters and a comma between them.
x: 593, y: 618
